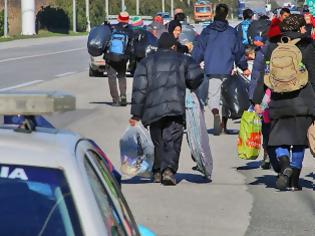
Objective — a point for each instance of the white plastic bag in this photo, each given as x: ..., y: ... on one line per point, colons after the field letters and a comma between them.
x: 136, y: 152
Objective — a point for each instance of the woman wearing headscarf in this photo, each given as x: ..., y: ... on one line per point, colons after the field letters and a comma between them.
x: 175, y: 29
x: 291, y: 113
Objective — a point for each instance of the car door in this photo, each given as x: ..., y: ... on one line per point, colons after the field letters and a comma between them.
x: 116, y: 214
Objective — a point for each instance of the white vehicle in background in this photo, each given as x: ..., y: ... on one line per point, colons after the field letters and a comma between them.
x: 97, y: 66
x: 55, y: 182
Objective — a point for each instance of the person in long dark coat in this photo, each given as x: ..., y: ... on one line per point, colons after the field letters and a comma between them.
x: 291, y: 113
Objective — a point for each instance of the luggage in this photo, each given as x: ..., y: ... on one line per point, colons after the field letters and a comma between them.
x: 235, y: 96
x: 142, y: 41
x: 98, y: 40
x: 136, y: 152
x: 197, y: 134
x: 249, y: 139
x: 285, y: 71
x: 118, y: 46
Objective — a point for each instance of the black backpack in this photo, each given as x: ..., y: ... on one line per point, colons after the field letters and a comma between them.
x: 98, y: 40
x: 258, y: 28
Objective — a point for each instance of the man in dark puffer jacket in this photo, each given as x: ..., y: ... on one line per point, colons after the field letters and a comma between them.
x: 158, y: 100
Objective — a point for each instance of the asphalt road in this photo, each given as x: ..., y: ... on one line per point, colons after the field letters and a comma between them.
x: 241, y: 199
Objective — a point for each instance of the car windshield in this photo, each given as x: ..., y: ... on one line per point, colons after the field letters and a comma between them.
x: 202, y: 9
x: 36, y: 201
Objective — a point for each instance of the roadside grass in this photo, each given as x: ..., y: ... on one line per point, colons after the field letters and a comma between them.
x: 41, y: 34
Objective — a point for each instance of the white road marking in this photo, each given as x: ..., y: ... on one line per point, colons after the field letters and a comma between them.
x: 21, y: 85
x: 41, y: 55
x: 65, y: 74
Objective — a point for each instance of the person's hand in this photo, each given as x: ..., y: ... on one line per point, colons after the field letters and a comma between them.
x: 258, y: 109
x: 246, y: 72
x: 189, y: 46
x: 133, y: 122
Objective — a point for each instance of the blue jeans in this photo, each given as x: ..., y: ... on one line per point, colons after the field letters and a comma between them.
x: 297, y: 155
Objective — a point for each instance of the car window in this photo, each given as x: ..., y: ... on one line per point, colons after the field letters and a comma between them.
x: 110, y: 217
x: 36, y: 201
x: 118, y: 201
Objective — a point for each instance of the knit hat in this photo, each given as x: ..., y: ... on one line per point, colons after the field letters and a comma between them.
x: 136, y: 21
x: 292, y: 23
x: 158, y: 19
x: 123, y: 17
x: 172, y: 25
x: 166, y: 41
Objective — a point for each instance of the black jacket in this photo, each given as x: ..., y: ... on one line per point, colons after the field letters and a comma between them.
x: 291, y: 113
x: 160, y: 83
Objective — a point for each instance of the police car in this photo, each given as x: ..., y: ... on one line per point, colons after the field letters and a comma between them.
x: 55, y: 182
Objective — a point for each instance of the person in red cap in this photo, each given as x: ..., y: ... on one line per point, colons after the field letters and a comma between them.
x: 117, y: 65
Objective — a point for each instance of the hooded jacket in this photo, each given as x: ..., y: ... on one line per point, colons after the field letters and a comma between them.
x: 160, y: 83
x: 219, y: 47
x: 274, y: 29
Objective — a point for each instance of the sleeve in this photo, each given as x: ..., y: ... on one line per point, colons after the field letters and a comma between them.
x: 139, y: 91
x: 239, y: 53
x: 194, y: 74
x: 257, y: 73
x: 199, y: 47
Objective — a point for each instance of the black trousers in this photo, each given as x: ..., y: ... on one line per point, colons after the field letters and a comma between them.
x: 167, y: 136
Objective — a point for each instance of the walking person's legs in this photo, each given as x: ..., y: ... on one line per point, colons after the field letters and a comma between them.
x: 296, y: 164
x: 112, y: 82
x: 156, y: 136
x: 172, y: 136
x: 214, y: 103
x: 283, y: 155
x: 122, y: 84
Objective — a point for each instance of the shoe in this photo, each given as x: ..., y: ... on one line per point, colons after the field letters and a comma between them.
x: 283, y: 181
x: 157, y: 177
x: 168, y: 178
x: 294, y: 180
x: 123, y: 101
x: 265, y: 165
x: 116, y: 103
x: 217, y: 128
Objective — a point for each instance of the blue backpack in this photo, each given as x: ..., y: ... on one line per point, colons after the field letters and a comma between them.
x: 242, y: 28
x: 118, y: 45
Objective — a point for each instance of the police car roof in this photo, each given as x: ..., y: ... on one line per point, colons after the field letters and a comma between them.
x: 53, y: 149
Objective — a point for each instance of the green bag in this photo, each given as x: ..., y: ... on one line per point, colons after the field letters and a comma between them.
x: 249, y: 139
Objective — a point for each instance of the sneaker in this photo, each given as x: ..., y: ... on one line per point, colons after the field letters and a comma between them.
x: 265, y: 165
x: 157, y: 177
x: 115, y: 103
x: 217, y: 128
x: 168, y: 178
x: 123, y: 101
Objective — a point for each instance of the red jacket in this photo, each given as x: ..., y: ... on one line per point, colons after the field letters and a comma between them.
x: 274, y: 29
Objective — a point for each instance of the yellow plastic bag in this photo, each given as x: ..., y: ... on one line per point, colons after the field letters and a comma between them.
x: 249, y: 139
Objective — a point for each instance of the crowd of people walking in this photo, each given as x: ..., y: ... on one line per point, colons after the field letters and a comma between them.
x: 164, y: 66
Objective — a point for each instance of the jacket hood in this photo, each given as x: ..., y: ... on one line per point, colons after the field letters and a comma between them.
x: 219, y: 25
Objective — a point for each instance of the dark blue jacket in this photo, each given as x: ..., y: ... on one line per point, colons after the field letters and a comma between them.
x: 258, y: 69
x: 219, y: 47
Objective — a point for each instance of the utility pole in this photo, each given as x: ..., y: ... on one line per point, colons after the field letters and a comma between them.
x: 172, y: 8
x: 74, y: 16
x: 87, y: 15
x: 106, y: 8
x: 5, y: 33
x: 137, y: 7
x: 123, y: 7
x: 163, y: 5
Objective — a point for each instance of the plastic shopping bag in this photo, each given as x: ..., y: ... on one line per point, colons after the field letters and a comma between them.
x: 136, y: 152
x: 249, y: 139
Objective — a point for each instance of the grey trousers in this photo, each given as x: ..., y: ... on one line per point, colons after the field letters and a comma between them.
x: 215, y: 95
x: 114, y: 72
